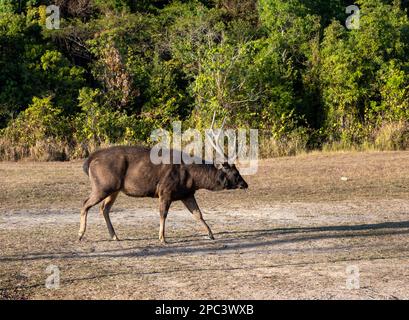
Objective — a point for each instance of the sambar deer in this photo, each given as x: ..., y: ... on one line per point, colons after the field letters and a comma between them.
x: 131, y: 171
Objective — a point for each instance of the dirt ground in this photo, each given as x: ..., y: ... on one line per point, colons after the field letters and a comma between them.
x: 298, y: 232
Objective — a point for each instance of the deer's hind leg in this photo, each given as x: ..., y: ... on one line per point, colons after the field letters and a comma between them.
x: 104, y: 210
x: 91, y: 201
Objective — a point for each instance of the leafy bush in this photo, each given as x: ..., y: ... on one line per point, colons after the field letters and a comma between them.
x: 98, y: 125
x: 38, y: 132
x: 119, y: 69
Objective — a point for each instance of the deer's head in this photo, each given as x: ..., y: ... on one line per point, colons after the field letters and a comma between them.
x: 228, y: 174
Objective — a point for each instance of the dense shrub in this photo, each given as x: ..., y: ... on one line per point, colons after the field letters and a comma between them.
x: 39, y: 132
x: 118, y: 69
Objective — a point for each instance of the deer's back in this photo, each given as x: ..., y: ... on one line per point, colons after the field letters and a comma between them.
x: 130, y: 170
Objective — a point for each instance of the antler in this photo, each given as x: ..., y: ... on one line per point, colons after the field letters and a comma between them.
x: 214, y: 140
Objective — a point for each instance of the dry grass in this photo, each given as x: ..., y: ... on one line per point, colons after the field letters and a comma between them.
x: 291, y: 235
x: 292, y: 144
x: 308, y: 177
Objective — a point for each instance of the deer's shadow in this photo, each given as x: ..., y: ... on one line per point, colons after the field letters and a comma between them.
x: 228, y: 241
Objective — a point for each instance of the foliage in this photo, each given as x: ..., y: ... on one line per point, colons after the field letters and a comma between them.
x: 98, y: 124
x: 118, y: 69
x: 39, y: 132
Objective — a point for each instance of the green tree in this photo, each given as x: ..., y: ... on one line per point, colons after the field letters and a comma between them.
x: 352, y: 62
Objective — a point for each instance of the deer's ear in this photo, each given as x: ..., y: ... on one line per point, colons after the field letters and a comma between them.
x: 222, y: 166
x: 218, y: 165
x: 226, y: 165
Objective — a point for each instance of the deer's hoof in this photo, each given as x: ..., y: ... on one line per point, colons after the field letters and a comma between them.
x: 163, y: 242
x: 80, y: 237
x: 115, y: 238
x: 211, y: 237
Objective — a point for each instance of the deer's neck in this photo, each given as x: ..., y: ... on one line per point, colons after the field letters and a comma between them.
x: 205, y: 177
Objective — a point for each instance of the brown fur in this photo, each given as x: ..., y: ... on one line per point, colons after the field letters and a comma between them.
x: 130, y: 170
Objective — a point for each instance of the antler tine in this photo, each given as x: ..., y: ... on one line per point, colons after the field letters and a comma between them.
x: 214, y: 118
x: 216, y: 147
x: 223, y: 123
x: 216, y: 137
x: 220, y: 131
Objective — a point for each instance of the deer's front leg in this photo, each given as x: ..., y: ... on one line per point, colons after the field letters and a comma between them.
x: 163, y: 210
x: 192, y: 206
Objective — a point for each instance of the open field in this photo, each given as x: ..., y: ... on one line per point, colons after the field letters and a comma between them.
x: 292, y: 234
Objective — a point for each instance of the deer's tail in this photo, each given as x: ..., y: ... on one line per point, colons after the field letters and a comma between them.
x: 85, y: 166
